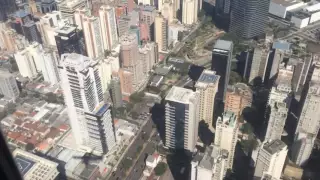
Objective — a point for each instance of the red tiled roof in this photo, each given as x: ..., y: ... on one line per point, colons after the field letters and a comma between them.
x: 22, y: 139
x: 18, y: 122
x: 13, y: 135
x: 63, y: 127
x: 54, y: 132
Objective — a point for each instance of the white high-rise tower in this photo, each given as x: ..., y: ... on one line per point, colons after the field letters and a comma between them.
x: 108, y: 27
x: 90, y: 117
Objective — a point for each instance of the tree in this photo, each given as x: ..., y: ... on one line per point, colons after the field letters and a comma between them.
x: 201, y: 13
x: 127, y: 163
x: 234, y: 78
x: 209, y: 19
x: 160, y: 169
x: 246, y: 128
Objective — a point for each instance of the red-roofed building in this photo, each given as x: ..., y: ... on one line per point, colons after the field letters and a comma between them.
x: 54, y: 132
x: 13, y: 135
x: 22, y: 140
x: 64, y: 127
x: 34, y: 140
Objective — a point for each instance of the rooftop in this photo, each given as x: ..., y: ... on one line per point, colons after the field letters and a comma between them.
x: 23, y: 164
x: 301, y: 14
x: 286, y: 3
x: 281, y: 45
x: 181, y: 95
x: 207, y: 77
x: 274, y: 146
x: 223, y: 45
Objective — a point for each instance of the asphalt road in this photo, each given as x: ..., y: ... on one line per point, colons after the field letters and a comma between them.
x: 120, y: 174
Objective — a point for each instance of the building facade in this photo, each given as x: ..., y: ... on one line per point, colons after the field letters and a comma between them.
x: 108, y: 27
x: 8, y: 85
x: 190, y: 11
x: 161, y: 33
x: 277, y: 120
x: 181, y: 119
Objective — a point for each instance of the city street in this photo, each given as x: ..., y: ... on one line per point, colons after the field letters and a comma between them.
x: 120, y: 173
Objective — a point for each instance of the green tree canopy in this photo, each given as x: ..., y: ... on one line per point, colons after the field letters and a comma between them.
x: 160, y: 169
x: 234, y: 78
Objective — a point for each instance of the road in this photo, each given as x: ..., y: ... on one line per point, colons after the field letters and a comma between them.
x: 120, y: 173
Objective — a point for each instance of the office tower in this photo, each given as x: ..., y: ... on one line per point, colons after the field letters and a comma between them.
x: 210, y: 165
x: 168, y: 11
x: 161, y: 33
x: 26, y: 65
x: 116, y: 94
x: 144, y: 32
x: 90, y: 118
x: 92, y: 36
x: 277, y: 120
x: 148, y: 54
x: 108, y: 27
x: 32, y: 166
x: 49, y: 68
x: 238, y: 97
x: 8, y: 85
x: 45, y: 6
x: 79, y: 15
x: 147, y: 15
x: 249, y: 17
x: 222, y: 13
x: 126, y: 82
x: 258, y: 64
x: 6, y: 7
x: 68, y: 8
x: 309, y: 121
x: 123, y: 25
x: 136, y: 30
x: 69, y: 39
x: 107, y: 67
x: 181, y: 119
x: 31, y: 32
x: 221, y: 64
x: 227, y: 134
x: 207, y: 86
x: 300, y: 73
x: 189, y: 11
x: 271, y: 159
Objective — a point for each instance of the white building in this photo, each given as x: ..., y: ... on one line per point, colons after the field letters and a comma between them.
x: 79, y: 15
x: 210, y: 165
x: 173, y: 33
x: 49, y: 67
x: 108, y: 27
x: 26, y: 64
x: 92, y: 36
x: 34, y: 167
x: 207, y: 86
x: 8, y: 85
x: 271, y: 159
x: 189, y: 11
x: 68, y: 8
x: 277, y: 120
x: 181, y: 119
x: 90, y: 118
x: 281, y: 7
x: 226, y: 135
x: 300, y: 19
x: 168, y: 11
x: 108, y: 66
x: 309, y: 121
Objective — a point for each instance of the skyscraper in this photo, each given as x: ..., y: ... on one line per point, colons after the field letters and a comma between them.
x: 207, y: 86
x: 300, y: 72
x: 79, y: 15
x: 69, y: 39
x: 108, y: 27
x: 249, y: 17
x: 8, y: 85
x: 189, y: 11
x: 31, y: 32
x: 67, y: 8
x: 6, y: 7
x: 277, y: 120
x: 222, y: 13
x: 49, y: 68
x: 26, y: 65
x: 309, y: 121
x: 227, y: 134
x: 161, y: 33
x: 271, y: 159
x: 221, y: 64
x: 90, y: 118
x: 116, y: 95
x: 181, y: 119
x: 258, y: 64
x: 210, y: 165
x: 92, y: 36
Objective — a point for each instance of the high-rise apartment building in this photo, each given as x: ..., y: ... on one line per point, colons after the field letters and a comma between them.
x: 221, y: 64
x: 249, y: 17
x: 189, y: 11
x: 47, y: 26
x: 108, y: 27
x: 238, y: 97
x: 148, y: 55
x: 31, y: 32
x: 277, y: 120
x: 69, y: 39
x: 49, y: 67
x: 207, y: 86
x: 300, y: 72
x: 68, y: 8
x: 26, y: 64
x: 115, y: 91
x: 161, y: 33
x: 6, y: 7
x: 123, y: 25
x: 271, y: 158
x: 147, y: 15
x: 90, y: 118
x: 309, y: 121
x: 107, y: 67
x: 181, y: 119
x: 93, y: 37
x: 210, y: 165
x: 168, y: 11
x: 8, y: 85
x: 226, y: 135
x: 257, y: 66
x: 79, y: 15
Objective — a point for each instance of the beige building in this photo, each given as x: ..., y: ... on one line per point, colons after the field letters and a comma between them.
x: 238, y: 97
x: 108, y: 27
x: 148, y: 55
x: 79, y: 15
x: 168, y: 11
x: 161, y: 32
x: 207, y: 86
x: 189, y: 11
